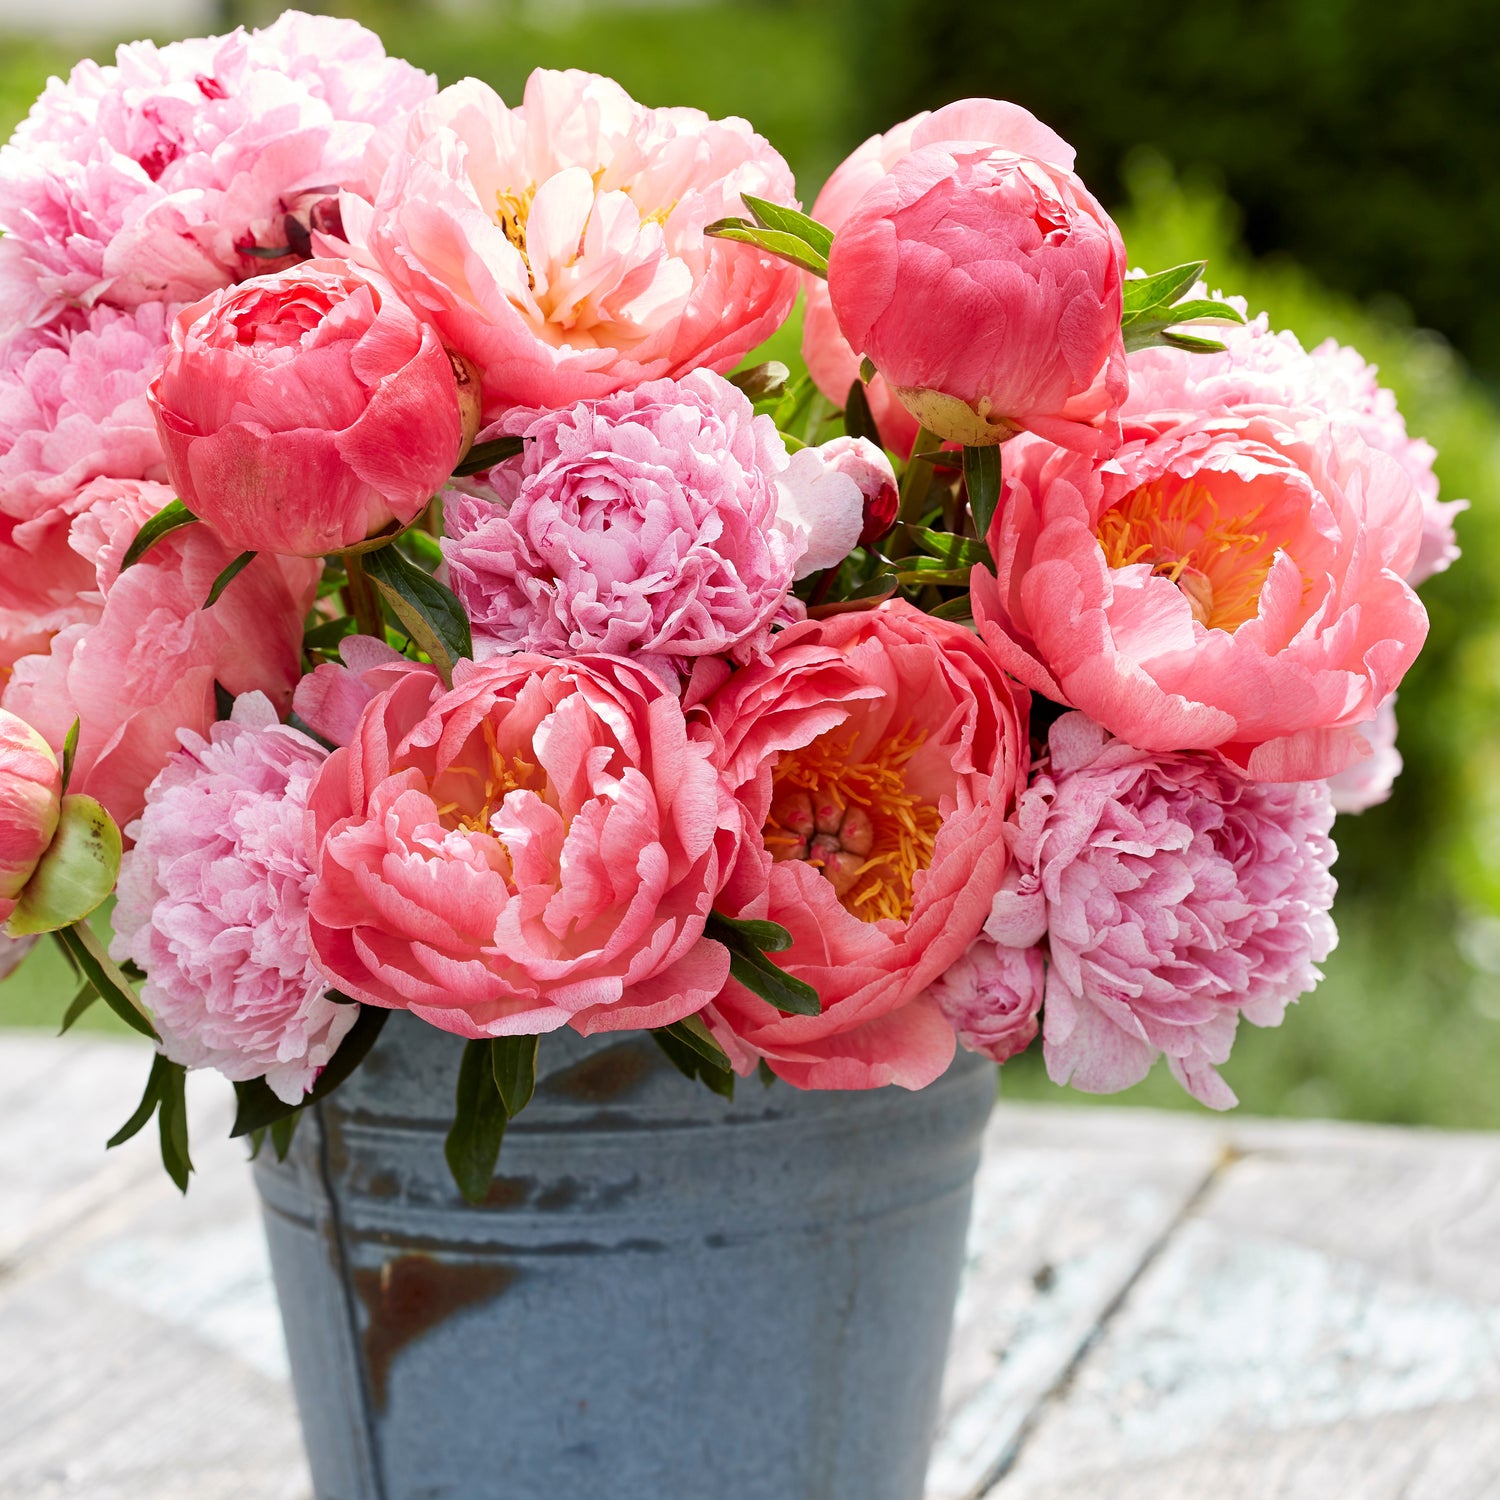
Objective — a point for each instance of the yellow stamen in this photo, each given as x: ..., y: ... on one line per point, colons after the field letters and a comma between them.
x: 501, y: 775
x: 512, y: 209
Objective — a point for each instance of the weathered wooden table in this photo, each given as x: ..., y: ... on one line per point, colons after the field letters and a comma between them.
x: 1156, y: 1306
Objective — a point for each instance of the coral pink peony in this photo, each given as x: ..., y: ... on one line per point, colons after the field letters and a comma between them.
x: 1261, y: 368
x: 145, y: 664
x: 560, y: 245
x: 1228, y: 581
x: 30, y: 796
x: 833, y: 365
x: 876, y: 755
x: 303, y: 412
x: 664, y: 523
x: 986, y: 286
x: 538, y: 846
x: 1178, y: 897
x: 170, y: 172
x: 213, y: 905
x: 43, y: 588
x: 860, y: 460
x: 992, y: 997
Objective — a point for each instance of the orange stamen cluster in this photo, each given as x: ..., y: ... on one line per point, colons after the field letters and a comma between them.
x: 512, y: 210
x: 500, y: 775
x: 878, y: 884
x: 1219, y: 561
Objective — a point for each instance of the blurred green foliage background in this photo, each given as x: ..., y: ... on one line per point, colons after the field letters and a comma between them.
x: 1335, y: 167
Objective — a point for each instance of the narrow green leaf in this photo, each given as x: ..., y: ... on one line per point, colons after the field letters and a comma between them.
x: 691, y: 1032
x: 484, y: 456
x: 155, y: 1081
x: 791, y: 221
x: 227, y: 577
x: 473, y: 1143
x: 223, y: 701
x: 859, y: 421
x: 81, y: 1002
x: 1191, y: 312
x: 173, y: 1122
x: 775, y: 241
x: 257, y: 1143
x: 326, y: 637
x: 982, y: 481
x: 949, y: 548
x: 867, y: 370
x: 961, y: 608
x: 70, y: 752
x: 422, y: 547
x: 95, y: 965
x: 925, y: 570
x: 297, y: 722
x: 1143, y: 293
x: 281, y: 1133
x: 767, y: 1077
x: 1191, y: 343
x: 427, y: 610
x: 168, y: 519
x: 691, y: 1062
x: 514, y: 1062
x: 866, y: 595
x: 758, y: 974
x: 769, y: 937
x: 767, y: 382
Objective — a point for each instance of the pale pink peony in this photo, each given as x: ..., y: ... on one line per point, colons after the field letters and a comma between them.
x: 876, y: 755
x: 74, y: 409
x: 985, y: 284
x: 213, y: 905
x: 30, y: 798
x: 663, y: 524
x: 144, y: 665
x: 833, y: 365
x: 1262, y: 368
x: 1178, y: 897
x: 155, y: 178
x: 1232, y: 582
x: 1368, y: 782
x: 860, y: 460
x: 538, y: 846
x: 304, y: 412
x: 560, y: 245
x: 992, y: 997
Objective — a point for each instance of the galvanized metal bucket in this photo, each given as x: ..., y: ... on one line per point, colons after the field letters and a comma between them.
x: 667, y: 1296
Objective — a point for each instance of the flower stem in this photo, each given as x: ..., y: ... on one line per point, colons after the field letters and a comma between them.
x: 362, y: 598
x: 915, y: 482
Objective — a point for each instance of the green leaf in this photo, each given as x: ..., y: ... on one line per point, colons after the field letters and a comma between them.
x: 982, y: 481
x: 859, y: 421
x: 867, y: 370
x: 173, y: 1122
x: 259, y: 1107
x: 683, y: 1047
x: 864, y: 595
x: 691, y: 1032
x: 769, y: 937
x: 775, y: 241
x: 758, y: 974
x: 76, y: 872
x: 514, y: 1061
x: 223, y: 701
x: 961, y: 608
x: 484, y: 456
x: 1192, y: 312
x: 297, y: 722
x: 423, y: 548
x: 429, y: 612
x: 791, y: 221
x: 473, y: 1143
x: 767, y: 1077
x: 84, y: 948
x: 1191, y: 343
x: 227, y: 577
x: 925, y: 570
x: 155, y: 1081
x: 767, y: 382
x: 949, y: 548
x: 1143, y: 293
x: 70, y: 752
x: 168, y: 519
x: 326, y: 637
x: 81, y: 1002
x: 281, y: 1133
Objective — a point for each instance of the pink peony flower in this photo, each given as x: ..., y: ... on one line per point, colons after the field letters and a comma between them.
x: 986, y: 286
x: 992, y: 997
x: 833, y: 365
x: 1226, y: 581
x: 213, y: 905
x: 30, y: 798
x: 1368, y: 782
x: 538, y: 846
x: 304, y: 412
x: 876, y: 755
x: 871, y: 470
x: 664, y: 523
x: 330, y: 699
x: 145, y: 664
x: 1178, y: 897
x: 1261, y: 368
x: 158, y: 178
x: 43, y: 584
x: 560, y: 245
x: 74, y: 409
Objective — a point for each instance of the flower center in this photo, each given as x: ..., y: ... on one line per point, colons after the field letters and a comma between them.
x: 473, y: 799
x: 854, y: 821
x: 1219, y: 561
x: 512, y: 209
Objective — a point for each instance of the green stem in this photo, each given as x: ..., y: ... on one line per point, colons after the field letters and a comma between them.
x: 362, y: 596
x: 915, y: 482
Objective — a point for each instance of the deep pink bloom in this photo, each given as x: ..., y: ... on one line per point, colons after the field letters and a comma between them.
x: 152, y: 179
x: 992, y: 122
x: 144, y: 664
x: 559, y: 245
x: 30, y: 797
x: 306, y: 411
x: 213, y: 905
x: 860, y: 460
x: 1178, y: 897
x: 663, y: 524
x: 985, y: 284
x: 1228, y: 581
x: 538, y: 846
x: 992, y: 997
x: 876, y: 755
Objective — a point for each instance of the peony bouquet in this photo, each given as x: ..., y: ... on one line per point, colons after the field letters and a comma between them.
x: 413, y: 598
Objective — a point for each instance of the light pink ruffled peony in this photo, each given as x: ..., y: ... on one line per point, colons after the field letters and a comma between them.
x: 833, y: 365
x: 538, y: 846
x: 30, y: 798
x: 155, y: 178
x: 559, y: 245
x: 876, y: 755
x: 1177, y: 897
x: 663, y: 524
x: 144, y: 665
x: 213, y: 905
x: 304, y: 412
x: 1261, y: 368
x: 1368, y: 782
x: 992, y: 997
x: 985, y: 284
x: 1226, y: 581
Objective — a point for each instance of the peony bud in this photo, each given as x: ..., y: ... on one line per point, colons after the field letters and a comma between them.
x: 75, y: 873
x: 30, y: 791
x: 860, y: 460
